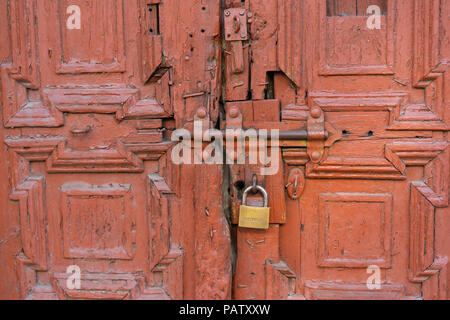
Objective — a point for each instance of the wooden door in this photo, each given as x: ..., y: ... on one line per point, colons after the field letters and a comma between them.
x: 90, y: 91
x: 372, y: 195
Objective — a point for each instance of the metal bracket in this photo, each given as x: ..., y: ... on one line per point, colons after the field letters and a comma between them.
x: 235, y: 24
x: 236, y: 32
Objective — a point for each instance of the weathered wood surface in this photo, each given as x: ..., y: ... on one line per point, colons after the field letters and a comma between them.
x: 88, y: 105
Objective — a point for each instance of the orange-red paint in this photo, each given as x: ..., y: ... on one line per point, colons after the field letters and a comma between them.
x: 87, y: 177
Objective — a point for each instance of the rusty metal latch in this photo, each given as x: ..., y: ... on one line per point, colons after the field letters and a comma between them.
x: 236, y: 32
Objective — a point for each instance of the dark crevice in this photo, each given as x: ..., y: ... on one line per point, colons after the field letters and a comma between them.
x: 269, y: 92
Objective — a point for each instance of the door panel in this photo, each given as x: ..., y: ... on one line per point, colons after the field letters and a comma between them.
x: 90, y: 95
x: 91, y: 92
x: 376, y: 192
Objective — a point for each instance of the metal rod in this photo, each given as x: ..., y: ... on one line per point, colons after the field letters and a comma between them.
x: 294, y: 135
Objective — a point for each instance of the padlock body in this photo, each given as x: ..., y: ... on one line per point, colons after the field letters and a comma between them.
x: 254, y: 217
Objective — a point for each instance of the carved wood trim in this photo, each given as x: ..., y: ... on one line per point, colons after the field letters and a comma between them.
x: 389, y: 34
x: 165, y: 257
x: 335, y: 291
x: 290, y: 40
x: 280, y: 281
x: 59, y: 158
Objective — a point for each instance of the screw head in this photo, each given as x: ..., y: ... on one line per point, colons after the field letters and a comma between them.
x: 242, y: 12
x: 315, y: 156
x: 227, y: 13
x: 316, y: 113
x: 234, y: 112
x: 201, y: 113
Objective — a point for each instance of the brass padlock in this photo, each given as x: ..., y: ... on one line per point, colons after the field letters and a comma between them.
x: 254, y: 217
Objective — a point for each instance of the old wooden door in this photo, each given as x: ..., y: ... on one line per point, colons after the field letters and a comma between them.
x: 90, y: 90
x: 365, y: 214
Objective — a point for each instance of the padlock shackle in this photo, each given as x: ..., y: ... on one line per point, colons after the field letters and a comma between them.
x: 260, y: 189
